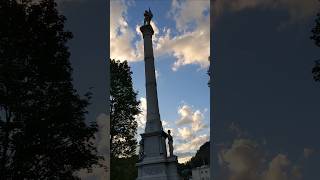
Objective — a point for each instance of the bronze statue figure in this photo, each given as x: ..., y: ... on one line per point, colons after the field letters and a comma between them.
x: 147, y: 17
x: 170, y: 143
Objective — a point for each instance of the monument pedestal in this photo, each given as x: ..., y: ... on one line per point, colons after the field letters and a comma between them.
x: 158, y: 169
x: 155, y: 164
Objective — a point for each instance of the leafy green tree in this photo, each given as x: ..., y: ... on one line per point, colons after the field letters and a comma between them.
x: 43, y: 134
x: 123, y: 109
x: 124, y: 168
x: 316, y: 37
x: 124, y: 106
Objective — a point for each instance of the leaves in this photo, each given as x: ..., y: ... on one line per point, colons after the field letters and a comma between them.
x: 316, y: 37
x: 43, y: 133
x: 123, y: 109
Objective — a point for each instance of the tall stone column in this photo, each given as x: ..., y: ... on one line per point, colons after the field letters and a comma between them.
x: 153, y: 116
x: 154, y: 164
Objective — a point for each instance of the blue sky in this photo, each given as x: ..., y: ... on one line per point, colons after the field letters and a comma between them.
x: 181, y: 48
x: 266, y: 102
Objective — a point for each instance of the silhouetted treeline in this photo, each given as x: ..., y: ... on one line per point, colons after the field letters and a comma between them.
x: 43, y: 134
x: 316, y: 37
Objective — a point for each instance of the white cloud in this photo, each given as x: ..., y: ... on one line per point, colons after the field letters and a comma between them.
x: 190, y: 116
x: 186, y: 139
x: 192, y: 45
x: 184, y: 159
x: 192, y: 145
x: 185, y: 12
x: 189, y: 137
x: 186, y: 115
x: 102, y: 143
x: 142, y: 117
x: 187, y: 48
x: 246, y: 160
x: 157, y: 74
x: 121, y: 35
x: 185, y: 133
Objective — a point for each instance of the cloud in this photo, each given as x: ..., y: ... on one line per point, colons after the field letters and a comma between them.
x: 246, y: 160
x: 189, y: 136
x: 187, y: 140
x: 190, y: 116
x: 191, y: 44
x: 184, y: 159
x: 121, y: 35
x: 102, y: 143
x: 185, y: 12
x: 157, y: 74
x: 185, y: 133
x: 190, y: 47
x: 242, y: 159
x: 307, y: 152
x: 277, y: 168
x: 186, y: 115
x: 192, y: 145
x: 142, y: 117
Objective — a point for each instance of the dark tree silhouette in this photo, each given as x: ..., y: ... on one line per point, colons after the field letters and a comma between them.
x: 123, y: 109
x: 43, y: 134
x: 316, y: 37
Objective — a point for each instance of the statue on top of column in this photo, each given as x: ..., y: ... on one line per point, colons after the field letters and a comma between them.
x: 147, y: 17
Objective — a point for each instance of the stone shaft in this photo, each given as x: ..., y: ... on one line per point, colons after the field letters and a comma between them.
x: 153, y: 116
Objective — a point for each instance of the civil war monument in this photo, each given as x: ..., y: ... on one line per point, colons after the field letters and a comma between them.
x: 154, y: 163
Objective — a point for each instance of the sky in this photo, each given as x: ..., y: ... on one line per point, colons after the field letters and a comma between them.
x: 266, y: 104
x: 181, y: 48
x: 88, y: 21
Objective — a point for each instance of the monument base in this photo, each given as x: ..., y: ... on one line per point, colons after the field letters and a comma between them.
x: 158, y: 169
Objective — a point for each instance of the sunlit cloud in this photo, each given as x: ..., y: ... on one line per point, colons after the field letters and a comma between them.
x: 142, y: 117
x: 103, y: 148
x: 190, y: 116
x: 188, y: 47
x: 121, y: 35
x: 247, y: 160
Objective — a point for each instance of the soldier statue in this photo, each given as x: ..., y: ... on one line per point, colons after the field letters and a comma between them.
x: 170, y: 143
x: 147, y: 17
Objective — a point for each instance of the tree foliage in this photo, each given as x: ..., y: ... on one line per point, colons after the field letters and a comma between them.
x: 43, y: 133
x: 124, y: 168
x: 123, y: 109
x: 316, y: 37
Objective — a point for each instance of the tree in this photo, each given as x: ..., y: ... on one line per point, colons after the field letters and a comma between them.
x: 316, y: 37
x: 43, y: 133
x: 123, y: 109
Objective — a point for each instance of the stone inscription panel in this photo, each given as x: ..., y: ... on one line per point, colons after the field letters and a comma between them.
x: 152, y: 170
